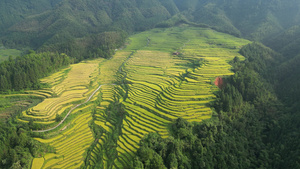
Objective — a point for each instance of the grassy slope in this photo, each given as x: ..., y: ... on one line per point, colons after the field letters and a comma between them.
x: 5, y: 53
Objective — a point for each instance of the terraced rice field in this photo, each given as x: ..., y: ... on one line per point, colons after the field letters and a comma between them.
x: 70, y: 153
x: 145, y: 88
x: 162, y: 87
x: 70, y: 145
x: 69, y: 86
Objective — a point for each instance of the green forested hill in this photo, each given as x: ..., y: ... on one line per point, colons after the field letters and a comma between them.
x: 13, y: 11
x: 79, y: 18
x: 286, y: 42
x: 34, y: 24
x: 254, y: 19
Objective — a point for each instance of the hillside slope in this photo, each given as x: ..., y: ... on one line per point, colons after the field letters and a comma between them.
x: 78, y: 18
x: 13, y: 11
x: 47, y: 22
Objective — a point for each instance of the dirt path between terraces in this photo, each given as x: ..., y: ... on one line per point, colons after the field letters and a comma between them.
x: 70, y: 111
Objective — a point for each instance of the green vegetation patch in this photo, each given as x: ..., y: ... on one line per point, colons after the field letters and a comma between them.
x: 6, y: 53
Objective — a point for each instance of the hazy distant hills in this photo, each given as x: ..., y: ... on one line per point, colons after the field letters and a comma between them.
x: 78, y: 18
x: 37, y: 22
x: 13, y: 11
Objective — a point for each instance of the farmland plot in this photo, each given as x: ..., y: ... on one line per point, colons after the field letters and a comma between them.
x: 161, y: 86
x: 161, y: 75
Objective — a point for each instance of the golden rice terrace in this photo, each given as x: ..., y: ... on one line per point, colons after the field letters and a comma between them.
x: 159, y: 76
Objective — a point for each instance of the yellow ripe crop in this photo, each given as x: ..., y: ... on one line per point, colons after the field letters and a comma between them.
x: 71, y: 144
x: 50, y: 156
x: 109, y: 68
x: 52, y: 162
x: 69, y: 86
x: 102, y: 124
x: 43, y: 93
x: 167, y: 77
x: 125, y: 146
x: 87, y: 107
x: 37, y: 163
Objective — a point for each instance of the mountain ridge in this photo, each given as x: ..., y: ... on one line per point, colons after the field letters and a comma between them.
x: 255, y: 20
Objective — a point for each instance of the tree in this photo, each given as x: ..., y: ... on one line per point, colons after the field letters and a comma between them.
x: 58, y: 118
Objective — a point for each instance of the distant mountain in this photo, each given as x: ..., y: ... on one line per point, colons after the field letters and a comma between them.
x: 286, y: 42
x: 78, y: 18
x: 13, y: 11
x: 253, y: 19
x: 36, y: 23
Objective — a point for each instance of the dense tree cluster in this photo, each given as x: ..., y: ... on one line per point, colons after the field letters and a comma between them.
x: 93, y: 46
x: 24, y: 72
x: 17, y: 147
